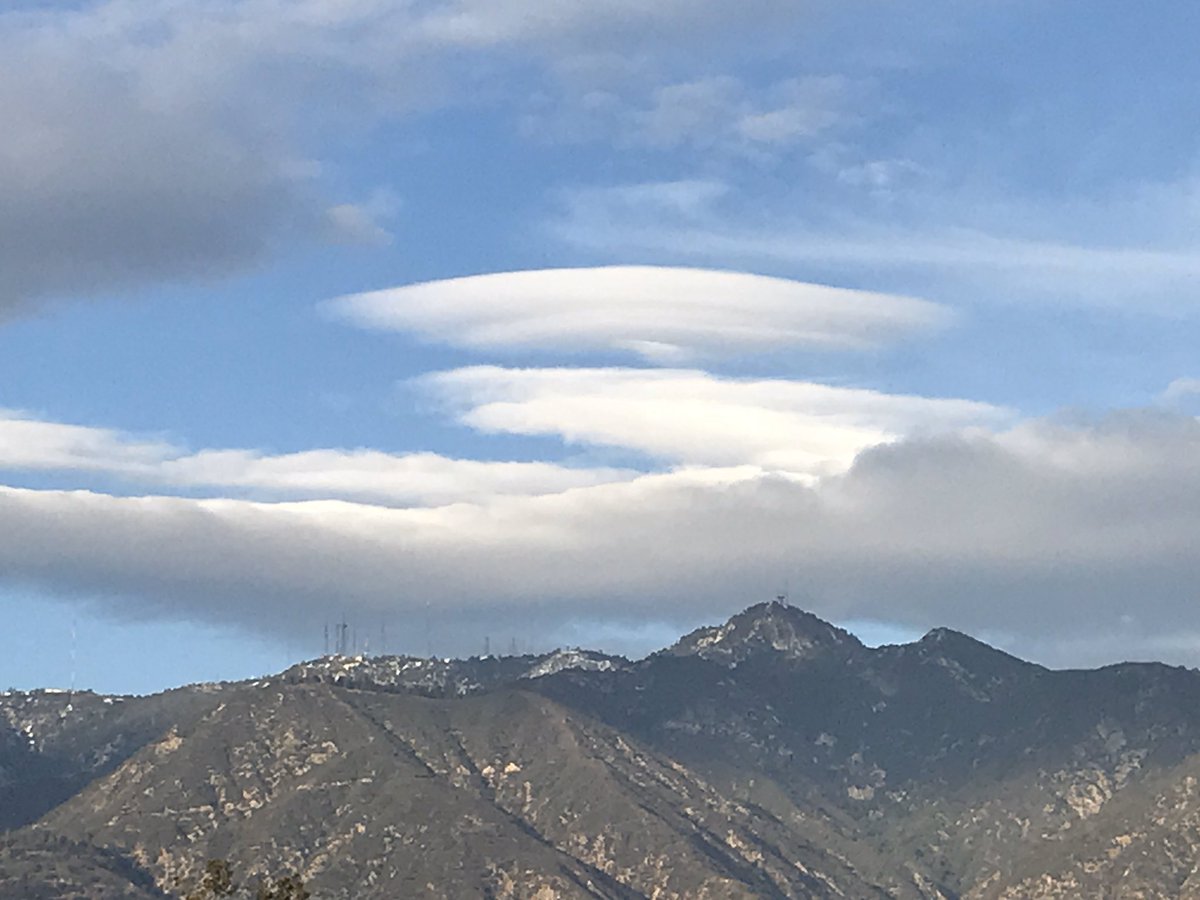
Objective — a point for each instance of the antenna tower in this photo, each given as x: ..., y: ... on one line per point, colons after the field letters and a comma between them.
x: 74, y: 659
x: 343, y: 637
x: 782, y: 596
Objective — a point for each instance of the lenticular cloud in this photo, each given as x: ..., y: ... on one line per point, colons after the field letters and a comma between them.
x: 660, y: 314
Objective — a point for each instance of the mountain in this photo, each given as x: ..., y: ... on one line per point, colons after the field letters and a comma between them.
x: 44, y: 866
x: 771, y: 756
x: 53, y: 743
x: 775, y: 628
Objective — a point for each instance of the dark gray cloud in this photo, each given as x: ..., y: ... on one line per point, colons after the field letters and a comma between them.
x: 1070, y: 543
x: 159, y: 140
x: 106, y: 187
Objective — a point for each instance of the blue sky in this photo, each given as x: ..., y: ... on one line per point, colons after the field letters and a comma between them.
x: 574, y: 322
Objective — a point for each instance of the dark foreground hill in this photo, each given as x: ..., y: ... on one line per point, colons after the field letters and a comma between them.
x: 772, y: 756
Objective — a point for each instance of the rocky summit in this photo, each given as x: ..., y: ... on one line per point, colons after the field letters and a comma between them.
x: 772, y: 756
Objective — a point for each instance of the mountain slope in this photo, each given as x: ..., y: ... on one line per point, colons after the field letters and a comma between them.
x: 371, y: 794
x: 771, y: 756
x: 46, y: 867
x: 945, y: 752
x: 53, y: 743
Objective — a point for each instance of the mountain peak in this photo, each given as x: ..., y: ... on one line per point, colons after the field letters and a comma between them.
x: 948, y: 642
x: 947, y: 637
x: 772, y: 627
x: 972, y: 659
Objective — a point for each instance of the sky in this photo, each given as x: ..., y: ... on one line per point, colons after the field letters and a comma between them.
x: 521, y: 323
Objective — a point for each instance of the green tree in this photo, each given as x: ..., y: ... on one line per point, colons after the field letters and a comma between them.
x: 217, y: 881
x: 289, y: 887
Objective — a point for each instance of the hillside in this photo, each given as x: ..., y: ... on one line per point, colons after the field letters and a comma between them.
x: 771, y: 756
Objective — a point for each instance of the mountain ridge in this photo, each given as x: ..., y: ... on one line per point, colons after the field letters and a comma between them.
x: 773, y: 626
x: 773, y: 755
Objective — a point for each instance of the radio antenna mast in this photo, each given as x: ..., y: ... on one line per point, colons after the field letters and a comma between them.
x: 74, y: 662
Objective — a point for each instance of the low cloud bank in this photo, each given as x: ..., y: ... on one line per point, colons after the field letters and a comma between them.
x: 1051, y: 537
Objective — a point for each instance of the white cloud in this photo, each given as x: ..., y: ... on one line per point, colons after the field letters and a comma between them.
x: 494, y: 22
x: 686, y: 200
x: 881, y: 178
x: 987, y: 533
x: 1181, y: 389
x: 662, y: 314
x: 420, y: 479
x: 1022, y: 253
x: 696, y: 111
x: 30, y: 443
x: 802, y: 109
x: 424, y: 479
x: 714, y: 114
x: 694, y: 418
x: 363, y: 223
x: 707, y: 425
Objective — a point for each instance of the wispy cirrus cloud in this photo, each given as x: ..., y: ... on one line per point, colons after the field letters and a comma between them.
x: 1005, y: 255
x: 715, y: 116
x: 548, y: 22
x: 662, y: 314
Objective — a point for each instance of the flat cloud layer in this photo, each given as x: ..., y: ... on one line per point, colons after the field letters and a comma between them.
x: 691, y: 417
x: 416, y: 479
x: 1049, y: 532
x: 661, y: 314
